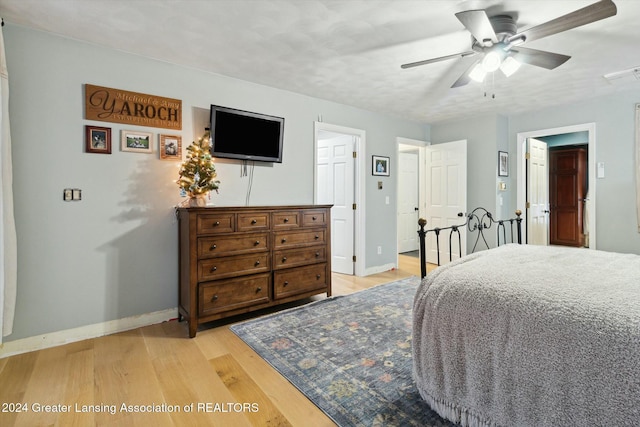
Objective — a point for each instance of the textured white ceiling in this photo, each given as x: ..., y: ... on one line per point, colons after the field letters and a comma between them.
x: 350, y: 51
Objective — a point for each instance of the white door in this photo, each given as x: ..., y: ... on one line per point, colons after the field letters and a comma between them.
x: 446, y: 166
x: 335, y: 185
x: 407, y: 201
x: 538, y: 193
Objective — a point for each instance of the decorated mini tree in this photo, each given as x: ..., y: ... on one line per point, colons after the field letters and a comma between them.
x: 198, y: 173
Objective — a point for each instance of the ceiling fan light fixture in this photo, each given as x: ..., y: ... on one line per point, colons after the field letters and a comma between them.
x: 509, y: 66
x: 477, y: 73
x: 491, y: 61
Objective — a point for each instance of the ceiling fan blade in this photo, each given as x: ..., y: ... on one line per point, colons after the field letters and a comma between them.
x: 464, y: 78
x: 441, y: 58
x: 595, y: 12
x: 478, y: 24
x: 539, y: 58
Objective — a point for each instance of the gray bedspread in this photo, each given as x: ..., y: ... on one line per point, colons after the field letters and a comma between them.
x: 531, y: 336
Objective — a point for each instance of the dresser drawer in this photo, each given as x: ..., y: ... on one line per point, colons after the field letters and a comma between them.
x: 296, y: 238
x: 299, y: 256
x: 285, y: 219
x: 215, y: 223
x: 314, y: 218
x: 250, y: 221
x: 232, y: 244
x: 299, y: 280
x: 239, y: 265
x: 231, y: 294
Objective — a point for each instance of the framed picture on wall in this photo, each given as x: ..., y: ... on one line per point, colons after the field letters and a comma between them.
x: 97, y: 140
x: 503, y: 163
x: 170, y: 147
x: 138, y: 142
x: 380, y: 166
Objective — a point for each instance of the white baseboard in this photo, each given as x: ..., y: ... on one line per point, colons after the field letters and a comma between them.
x: 379, y: 269
x: 54, y: 339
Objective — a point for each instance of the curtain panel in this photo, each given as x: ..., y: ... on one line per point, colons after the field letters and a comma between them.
x: 8, y: 245
x: 637, y: 165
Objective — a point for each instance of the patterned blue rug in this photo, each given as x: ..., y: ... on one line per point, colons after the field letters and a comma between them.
x: 350, y: 355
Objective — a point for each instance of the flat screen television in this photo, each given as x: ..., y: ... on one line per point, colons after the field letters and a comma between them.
x: 238, y: 134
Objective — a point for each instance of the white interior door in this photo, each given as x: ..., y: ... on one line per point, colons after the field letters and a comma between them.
x: 335, y: 185
x: 446, y: 166
x: 538, y: 193
x: 407, y: 201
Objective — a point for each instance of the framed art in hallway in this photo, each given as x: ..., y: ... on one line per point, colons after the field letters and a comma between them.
x: 380, y: 166
x: 503, y: 163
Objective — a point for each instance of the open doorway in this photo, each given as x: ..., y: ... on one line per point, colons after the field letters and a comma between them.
x: 338, y: 181
x: 410, y: 190
x: 541, y: 220
x: 442, y: 193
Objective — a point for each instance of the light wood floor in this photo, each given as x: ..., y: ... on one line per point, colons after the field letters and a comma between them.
x: 213, y: 379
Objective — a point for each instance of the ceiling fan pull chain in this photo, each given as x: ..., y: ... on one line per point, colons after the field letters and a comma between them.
x: 493, y: 85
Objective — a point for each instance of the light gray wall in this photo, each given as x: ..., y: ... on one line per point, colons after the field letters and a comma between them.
x: 485, y: 135
x: 114, y: 254
x: 614, y: 117
x: 573, y: 138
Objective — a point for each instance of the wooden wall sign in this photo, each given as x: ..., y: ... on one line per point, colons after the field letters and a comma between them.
x: 131, y: 108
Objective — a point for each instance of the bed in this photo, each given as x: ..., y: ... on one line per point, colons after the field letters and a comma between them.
x: 525, y: 335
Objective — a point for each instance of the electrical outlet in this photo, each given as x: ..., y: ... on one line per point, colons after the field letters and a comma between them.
x: 71, y: 194
x: 379, y: 250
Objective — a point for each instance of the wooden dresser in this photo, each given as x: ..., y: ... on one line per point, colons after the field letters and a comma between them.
x: 238, y: 259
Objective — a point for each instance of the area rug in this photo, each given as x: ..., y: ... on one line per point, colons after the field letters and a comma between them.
x: 350, y: 355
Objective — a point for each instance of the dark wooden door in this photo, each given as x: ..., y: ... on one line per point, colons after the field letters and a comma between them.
x: 567, y: 191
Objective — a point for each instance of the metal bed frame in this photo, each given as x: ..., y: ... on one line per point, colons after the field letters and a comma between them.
x: 477, y: 221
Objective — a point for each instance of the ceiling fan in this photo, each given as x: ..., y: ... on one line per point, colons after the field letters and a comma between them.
x: 498, y: 43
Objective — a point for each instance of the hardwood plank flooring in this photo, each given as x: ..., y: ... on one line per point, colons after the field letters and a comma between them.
x: 156, y: 375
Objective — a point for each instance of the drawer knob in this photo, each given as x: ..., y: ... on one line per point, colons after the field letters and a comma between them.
x: 214, y: 268
x: 213, y: 247
x: 284, y: 259
x: 314, y: 218
x: 257, y: 242
x: 285, y: 284
x: 318, y: 276
x: 214, y: 298
x: 317, y: 237
x: 284, y: 240
x: 253, y: 221
x: 257, y: 263
x: 258, y: 290
x: 317, y: 254
x: 286, y: 220
x: 217, y: 223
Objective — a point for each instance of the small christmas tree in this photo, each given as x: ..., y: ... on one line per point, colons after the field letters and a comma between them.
x: 198, y: 173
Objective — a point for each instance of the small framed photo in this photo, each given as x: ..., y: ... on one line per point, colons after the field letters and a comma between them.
x: 137, y: 142
x: 503, y: 163
x: 380, y: 166
x: 170, y: 147
x: 97, y: 139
